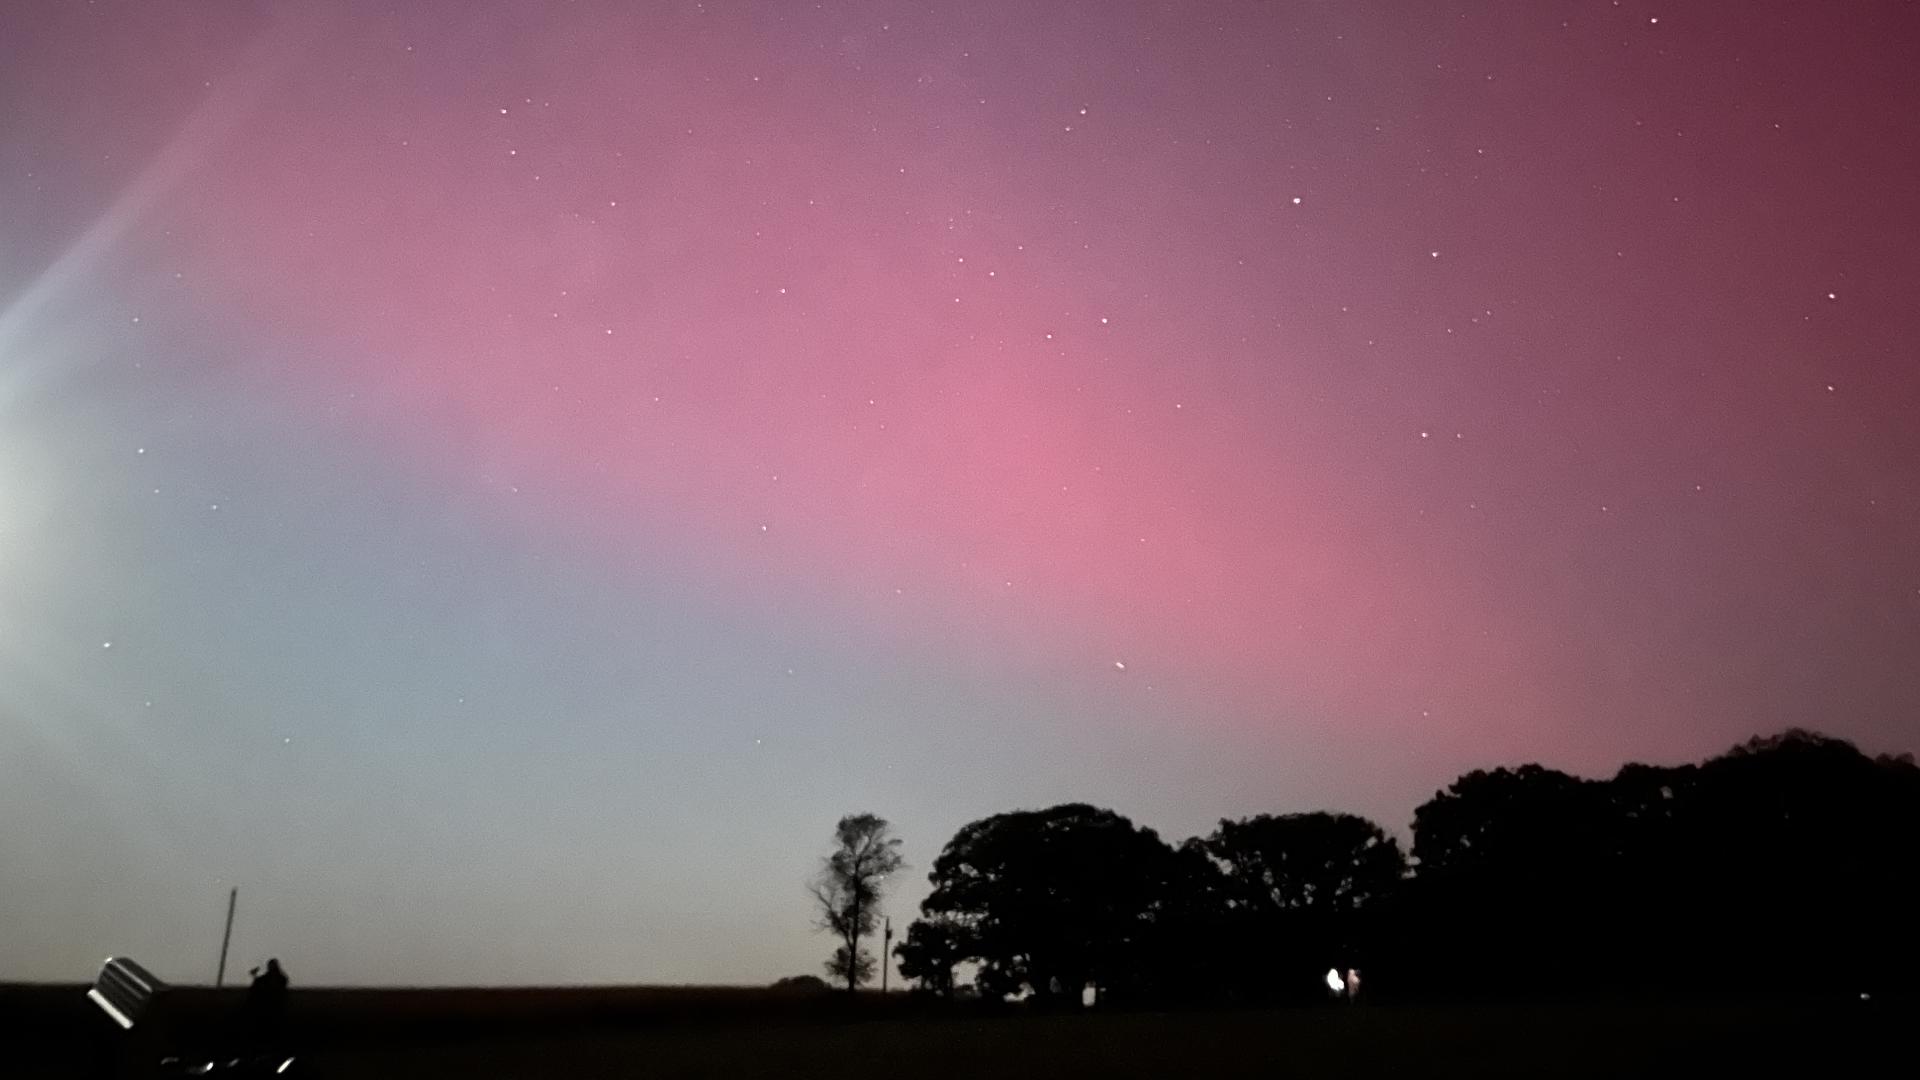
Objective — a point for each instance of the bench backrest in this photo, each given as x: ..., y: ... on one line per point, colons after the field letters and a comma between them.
x: 124, y: 990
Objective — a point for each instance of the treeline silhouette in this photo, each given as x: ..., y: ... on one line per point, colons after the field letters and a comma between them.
x: 1790, y: 864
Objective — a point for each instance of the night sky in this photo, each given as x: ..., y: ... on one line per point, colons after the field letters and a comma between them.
x: 496, y: 481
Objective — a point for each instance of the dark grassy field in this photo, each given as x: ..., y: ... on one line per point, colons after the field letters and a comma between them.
x: 672, y: 1032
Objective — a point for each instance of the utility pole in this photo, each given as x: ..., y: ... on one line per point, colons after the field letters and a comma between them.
x: 886, y: 952
x: 219, y: 979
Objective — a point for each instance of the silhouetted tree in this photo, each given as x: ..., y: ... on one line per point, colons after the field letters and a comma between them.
x: 1298, y: 889
x: 1306, y: 862
x: 1050, y: 900
x: 851, y: 966
x: 1784, y: 864
x: 801, y: 984
x: 1512, y: 878
x: 1789, y: 863
x: 1506, y: 820
x: 930, y: 951
x: 1193, y: 952
x: 1801, y: 854
x: 849, y: 887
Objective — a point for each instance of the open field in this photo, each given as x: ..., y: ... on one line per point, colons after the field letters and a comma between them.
x: 656, y: 1032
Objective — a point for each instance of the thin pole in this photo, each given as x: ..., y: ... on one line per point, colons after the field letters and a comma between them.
x: 886, y: 951
x: 220, y: 979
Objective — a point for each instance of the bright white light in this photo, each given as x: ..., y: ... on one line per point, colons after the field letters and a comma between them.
x: 1334, y: 982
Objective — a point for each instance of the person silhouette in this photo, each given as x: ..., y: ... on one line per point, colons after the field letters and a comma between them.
x: 266, y: 1006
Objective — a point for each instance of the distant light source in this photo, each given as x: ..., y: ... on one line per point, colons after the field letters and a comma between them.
x: 1344, y: 986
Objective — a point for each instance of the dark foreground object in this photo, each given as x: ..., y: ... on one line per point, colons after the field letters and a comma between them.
x: 720, y: 1033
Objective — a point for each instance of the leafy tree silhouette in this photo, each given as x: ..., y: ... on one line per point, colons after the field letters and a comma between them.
x: 1779, y: 866
x: 1049, y: 900
x: 1300, y: 891
x: 930, y: 951
x: 1790, y: 863
x: 848, y: 889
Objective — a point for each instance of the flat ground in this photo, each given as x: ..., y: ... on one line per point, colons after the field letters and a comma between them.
x: 735, y: 1038
x: 1319, y: 1043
